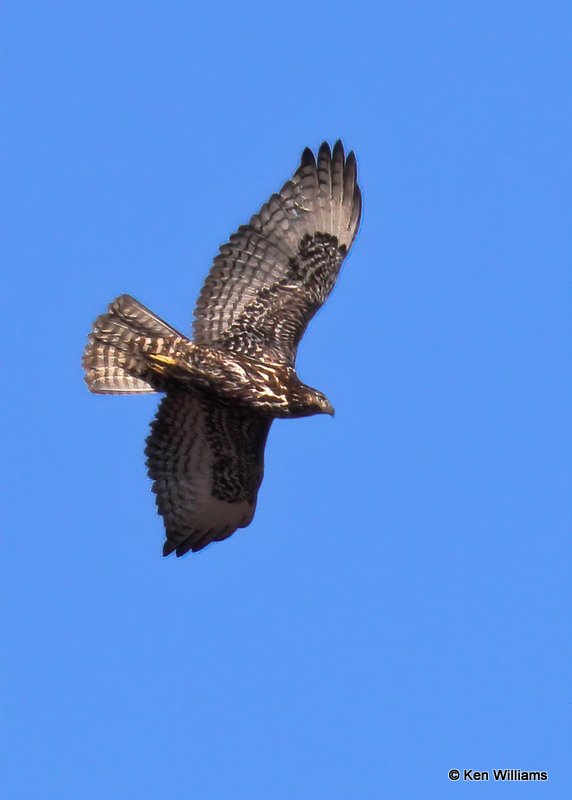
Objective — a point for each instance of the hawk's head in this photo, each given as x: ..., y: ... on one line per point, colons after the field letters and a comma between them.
x: 305, y: 401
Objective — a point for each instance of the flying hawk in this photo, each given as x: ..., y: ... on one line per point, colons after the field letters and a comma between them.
x: 222, y: 390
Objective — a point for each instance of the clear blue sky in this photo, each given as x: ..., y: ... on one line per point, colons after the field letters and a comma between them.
x: 401, y: 604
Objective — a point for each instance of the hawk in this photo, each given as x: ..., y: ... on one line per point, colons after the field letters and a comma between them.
x: 223, y: 389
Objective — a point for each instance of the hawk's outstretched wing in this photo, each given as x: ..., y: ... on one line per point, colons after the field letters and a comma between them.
x: 271, y: 277
x: 206, y: 461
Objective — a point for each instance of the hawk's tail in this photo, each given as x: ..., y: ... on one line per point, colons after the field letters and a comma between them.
x: 114, y: 359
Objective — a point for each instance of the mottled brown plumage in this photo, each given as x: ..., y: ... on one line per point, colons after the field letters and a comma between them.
x: 223, y: 389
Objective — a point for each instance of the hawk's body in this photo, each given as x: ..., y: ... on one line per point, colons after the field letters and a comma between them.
x: 223, y: 389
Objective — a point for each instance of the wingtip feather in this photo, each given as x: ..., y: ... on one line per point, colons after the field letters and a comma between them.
x: 338, y: 151
x: 308, y: 159
x: 168, y: 548
x: 324, y: 152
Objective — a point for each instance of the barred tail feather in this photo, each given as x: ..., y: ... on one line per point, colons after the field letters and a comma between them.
x: 114, y: 361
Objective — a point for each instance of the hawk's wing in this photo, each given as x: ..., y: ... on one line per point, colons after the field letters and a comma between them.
x: 206, y: 461
x: 271, y: 277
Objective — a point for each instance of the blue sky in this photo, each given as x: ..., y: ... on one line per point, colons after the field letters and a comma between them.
x: 401, y: 604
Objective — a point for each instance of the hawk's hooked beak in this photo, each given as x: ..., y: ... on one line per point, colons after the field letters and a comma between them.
x: 329, y: 409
